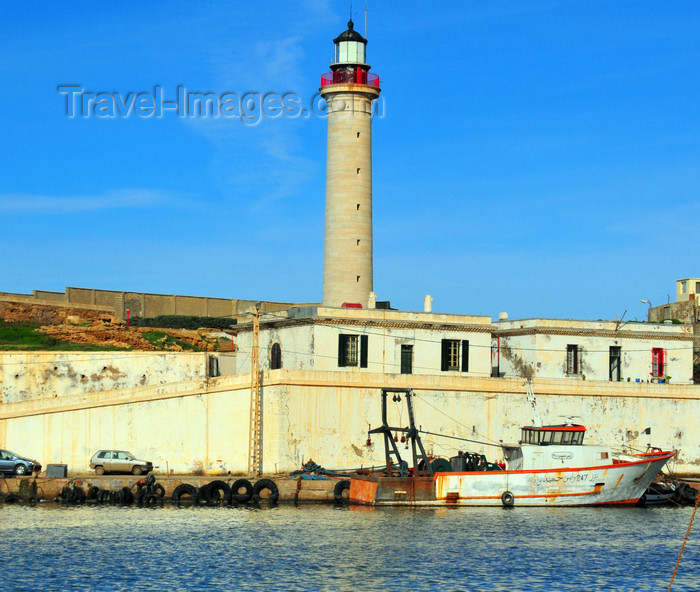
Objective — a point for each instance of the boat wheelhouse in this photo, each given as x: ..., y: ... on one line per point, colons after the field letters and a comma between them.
x: 558, y: 434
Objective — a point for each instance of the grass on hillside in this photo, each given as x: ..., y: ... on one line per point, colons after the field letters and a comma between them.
x: 26, y: 336
x: 162, y: 340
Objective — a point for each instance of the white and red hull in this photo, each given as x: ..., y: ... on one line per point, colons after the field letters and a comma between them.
x: 621, y: 483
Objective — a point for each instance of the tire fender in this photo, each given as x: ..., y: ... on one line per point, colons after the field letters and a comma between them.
x: 151, y: 500
x: 184, y: 490
x: 218, y: 492
x: 262, y: 485
x: 78, y: 495
x: 241, y: 496
x: 507, y: 499
x: 128, y: 496
x: 339, y: 489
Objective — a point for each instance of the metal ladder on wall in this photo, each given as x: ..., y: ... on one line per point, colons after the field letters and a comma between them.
x: 255, y: 444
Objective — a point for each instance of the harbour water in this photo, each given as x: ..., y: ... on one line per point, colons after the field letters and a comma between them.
x: 55, y: 548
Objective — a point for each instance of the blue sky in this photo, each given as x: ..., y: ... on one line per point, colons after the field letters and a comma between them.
x: 535, y: 157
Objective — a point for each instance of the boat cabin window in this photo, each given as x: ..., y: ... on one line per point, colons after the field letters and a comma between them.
x: 551, y: 435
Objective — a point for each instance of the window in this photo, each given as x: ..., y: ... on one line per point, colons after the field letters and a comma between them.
x: 684, y: 287
x: 697, y: 287
x: 615, y: 363
x: 657, y: 362
x: 406, y: 359
x: 572, y: 359
x: 275, y: 357
x: 214, y: 366
x: 352, y: 350
x: 455, y: 355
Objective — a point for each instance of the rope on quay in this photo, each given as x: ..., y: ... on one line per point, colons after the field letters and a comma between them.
x: 685, y: 540
x: 312, y: 470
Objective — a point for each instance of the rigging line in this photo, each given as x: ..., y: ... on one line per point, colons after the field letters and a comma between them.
x: 462, y: 439
x: 685, y: 540
x: 445, y: 414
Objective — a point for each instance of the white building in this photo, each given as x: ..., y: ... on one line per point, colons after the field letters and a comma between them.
x: 369, y: 340
x: 593, y: 350
x: 398, y: 342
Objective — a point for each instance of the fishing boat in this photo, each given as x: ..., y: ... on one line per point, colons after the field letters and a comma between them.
x: 550, y: 466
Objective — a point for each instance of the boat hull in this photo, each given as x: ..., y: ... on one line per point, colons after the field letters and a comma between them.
x: 617, y: 484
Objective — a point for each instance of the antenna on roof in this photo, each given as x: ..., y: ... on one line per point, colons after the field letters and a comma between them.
x: 365, y: 19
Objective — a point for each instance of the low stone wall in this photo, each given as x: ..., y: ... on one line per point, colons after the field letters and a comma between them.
x: 201, y: 427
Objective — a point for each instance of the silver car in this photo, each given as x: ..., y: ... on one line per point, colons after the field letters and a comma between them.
x: 119, y: 461
x: 13, y: 464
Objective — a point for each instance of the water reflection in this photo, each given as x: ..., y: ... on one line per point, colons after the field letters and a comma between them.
x: 53, y: 547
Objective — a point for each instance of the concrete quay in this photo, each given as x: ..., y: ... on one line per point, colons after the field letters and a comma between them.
x: 291, y: 490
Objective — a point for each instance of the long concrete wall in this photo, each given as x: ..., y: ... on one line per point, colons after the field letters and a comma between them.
x: 47, y: 375
x: 139, y: 303
x: 202, y: 426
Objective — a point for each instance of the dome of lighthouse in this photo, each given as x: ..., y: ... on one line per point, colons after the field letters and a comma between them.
x: 350, y: 35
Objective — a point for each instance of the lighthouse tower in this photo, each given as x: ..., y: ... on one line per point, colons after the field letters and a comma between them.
x: 349, y: 90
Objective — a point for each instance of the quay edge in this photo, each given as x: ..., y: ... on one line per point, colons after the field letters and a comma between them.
x: 291, y: 490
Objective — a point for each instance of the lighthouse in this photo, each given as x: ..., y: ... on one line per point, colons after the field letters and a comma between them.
x: 349, y: 89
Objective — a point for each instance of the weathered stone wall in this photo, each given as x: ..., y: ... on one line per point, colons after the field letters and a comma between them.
x: 42, y: 376
x: 202, y: 426
x: 50, y: 312
x: 686, y: 312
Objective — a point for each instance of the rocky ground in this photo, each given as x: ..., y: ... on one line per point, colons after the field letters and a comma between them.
x: 99, y: 333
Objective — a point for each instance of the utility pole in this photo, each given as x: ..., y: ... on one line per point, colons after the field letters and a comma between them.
x: 255, y: 446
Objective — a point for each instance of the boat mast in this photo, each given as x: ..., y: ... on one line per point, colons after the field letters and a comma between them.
x: 390, y: 447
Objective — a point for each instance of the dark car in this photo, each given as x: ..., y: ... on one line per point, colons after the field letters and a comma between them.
x: 119, y: 461
x: 14, y: 464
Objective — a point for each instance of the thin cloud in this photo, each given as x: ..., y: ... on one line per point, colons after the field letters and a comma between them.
x: 19, y: 203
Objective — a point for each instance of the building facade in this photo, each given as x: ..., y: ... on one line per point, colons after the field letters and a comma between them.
x: 369, y: 340
x: 397, y: 342
x: 593, y: 350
